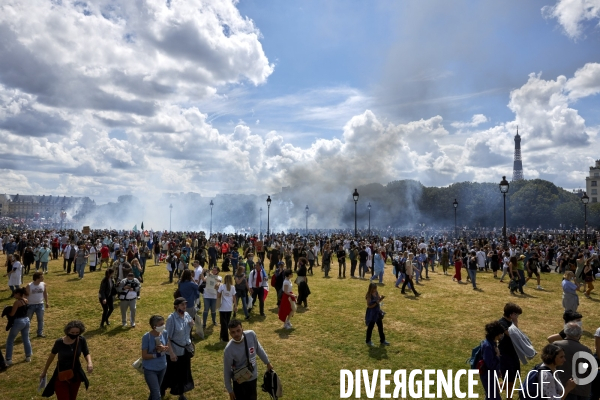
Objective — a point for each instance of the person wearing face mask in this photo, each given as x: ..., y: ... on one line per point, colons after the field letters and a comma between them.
x: 494, y: 333
x: 106, y: 295
x: 240, y: 352
x: 154, y: 355
x: 129, y: 292
x: 179, y: 369
x: 69, y: 349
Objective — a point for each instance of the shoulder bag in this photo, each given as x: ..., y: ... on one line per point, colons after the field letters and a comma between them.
x: 68, y: 373
x: 245, y: 373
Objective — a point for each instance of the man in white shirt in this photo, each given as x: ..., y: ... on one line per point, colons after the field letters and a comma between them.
x: 480, y: 259
x: 257, y: 282
x: 38, y: 295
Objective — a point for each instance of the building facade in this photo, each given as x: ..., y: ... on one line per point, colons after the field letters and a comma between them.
x: 591, y: 183
x: 28, y: 206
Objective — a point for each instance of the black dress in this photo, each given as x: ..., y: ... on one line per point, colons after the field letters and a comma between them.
x: 65, y: 362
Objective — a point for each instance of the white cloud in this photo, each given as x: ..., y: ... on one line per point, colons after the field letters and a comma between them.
x: 571, y: 14
x: 476, y: 120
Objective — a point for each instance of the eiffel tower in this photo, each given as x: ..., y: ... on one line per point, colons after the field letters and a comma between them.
x: 518, y: 163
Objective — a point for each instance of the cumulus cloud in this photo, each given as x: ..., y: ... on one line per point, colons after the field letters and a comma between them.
x: 476, y: 120
x: 572, y: 14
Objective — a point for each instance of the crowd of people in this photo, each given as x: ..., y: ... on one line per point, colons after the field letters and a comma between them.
x: 250, y: 267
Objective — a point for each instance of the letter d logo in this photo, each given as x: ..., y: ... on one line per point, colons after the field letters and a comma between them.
x: 579, y: 368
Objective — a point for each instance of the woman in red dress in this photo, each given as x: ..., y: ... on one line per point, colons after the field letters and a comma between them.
x: 287, y: 307
x: 457, y: 265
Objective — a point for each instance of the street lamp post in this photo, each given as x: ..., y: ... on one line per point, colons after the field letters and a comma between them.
x: 369, y: 207
x: 504, y: 186
x: 260, y: 226
x: 585, y: 200
x: 170, y: 212
x: 306, y: 219
x: 355, y: 197
x: 455, y: 204
x: 268, y: 216
x: 210, y: 232
x: 62, y: 217
x: 47, y: 215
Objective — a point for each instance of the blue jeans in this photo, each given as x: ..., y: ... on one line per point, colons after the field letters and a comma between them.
x: 378, y: 275
x: 154, y: 380
x: 20, y: 325
x: 417, y: 274
x: 400, y: 278
x: 212, y: 305
x: 38, y: 310
x: 80, y: 268
x: 473, y: 276
x: 244, y: 299
x: 44, y: 266
x: 13, y: 288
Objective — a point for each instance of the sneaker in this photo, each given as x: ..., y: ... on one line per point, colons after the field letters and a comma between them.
x: 41, y: 336
x: 370, y: 344
x: 9, y: 362
x: 28, y: 359
x: 539, y: 287
x: 133, y: 325
x: 385, y: 343
x: 247, y: 318
x: 124, y: 325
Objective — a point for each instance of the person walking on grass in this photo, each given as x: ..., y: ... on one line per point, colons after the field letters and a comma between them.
x: 472, y: 269
x: 457, y: 266
x: 288, y: 301
x: 240, y: 352
x: 408, y: 278
x: 37, y: 294
x: 379, y: 265
x: 588, y: 277
x: 69, y: 349
x: 20, y: 324
x: 129, y: 292
x: 106, y: 295
x: 154, y: 355
x: 374, y: 315
x: 178, y: 376
x: 226, y: 293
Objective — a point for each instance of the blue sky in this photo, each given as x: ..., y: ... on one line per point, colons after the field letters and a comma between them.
x: 112, y: 97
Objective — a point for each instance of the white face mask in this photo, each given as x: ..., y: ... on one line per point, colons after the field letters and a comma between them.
x: 160, y: 329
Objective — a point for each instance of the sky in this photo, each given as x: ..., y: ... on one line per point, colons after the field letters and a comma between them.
x: 146, y: 97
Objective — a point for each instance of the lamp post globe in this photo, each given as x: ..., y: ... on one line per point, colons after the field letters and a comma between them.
x: 504, y: 186
x: 355, y: 198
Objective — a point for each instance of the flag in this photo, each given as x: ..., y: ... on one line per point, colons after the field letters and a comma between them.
x: 142, y: 227
x: 135, y: 228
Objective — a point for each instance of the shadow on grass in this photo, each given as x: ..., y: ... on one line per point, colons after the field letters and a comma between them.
x: 215, y: 346
x: 301, y: 310
x: 283, y: 333
x: 274, y: 310
x: 73, y: 279
x: 378, y: 353
x: 107, y: 331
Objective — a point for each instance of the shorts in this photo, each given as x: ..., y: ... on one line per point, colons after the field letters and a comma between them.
x: 509, y: 368
x: 530, y: 273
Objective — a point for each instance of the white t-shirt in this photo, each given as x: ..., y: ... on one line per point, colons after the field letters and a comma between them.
x: 36, y: 293
x: 226, y: 297
x: 287, y: 286
x: 197, y: 273
x: 15, y: 275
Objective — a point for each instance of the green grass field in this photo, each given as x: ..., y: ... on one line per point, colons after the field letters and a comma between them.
x: 435, y: 331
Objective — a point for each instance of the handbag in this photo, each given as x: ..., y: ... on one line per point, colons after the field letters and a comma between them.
x: 245, y: 373
x: 190, y: 348
x: 68, y: 374
x: 138, y: 365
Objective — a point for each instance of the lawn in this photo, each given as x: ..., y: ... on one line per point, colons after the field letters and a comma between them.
x: 435, y: 331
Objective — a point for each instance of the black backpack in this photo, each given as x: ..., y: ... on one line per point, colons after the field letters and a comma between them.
x: 11, y: 320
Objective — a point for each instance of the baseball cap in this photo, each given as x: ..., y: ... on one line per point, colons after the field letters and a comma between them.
x: 179, y: 300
